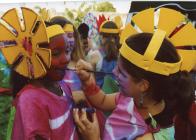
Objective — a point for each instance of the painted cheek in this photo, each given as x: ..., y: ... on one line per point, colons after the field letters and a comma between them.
x: 123, y: 80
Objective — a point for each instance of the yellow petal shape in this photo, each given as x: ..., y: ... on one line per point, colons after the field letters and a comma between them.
x: 38, y: 67
x: 145, y: 20
x: 30, y: 19
x: 126, y: 32
x: 189, y: 59
x: 40, y: 36
x: 22, y: 68
x: 11, y: 53
x: 12, y: 18
x: 6, y: 34
x: 186, y: 36
x: 165, y: 18
x: 45, y: 54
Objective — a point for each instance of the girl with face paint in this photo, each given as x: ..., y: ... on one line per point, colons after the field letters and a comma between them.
x: 152, y: 93
x: 70, y: 78
x: 42, y: 102
x: 152, y: 96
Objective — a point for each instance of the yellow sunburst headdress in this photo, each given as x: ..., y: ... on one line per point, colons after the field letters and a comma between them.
x: 169, y: 20
x: 21, y: 43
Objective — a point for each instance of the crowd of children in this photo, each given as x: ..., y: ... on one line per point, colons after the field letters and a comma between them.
x: 58, y: 80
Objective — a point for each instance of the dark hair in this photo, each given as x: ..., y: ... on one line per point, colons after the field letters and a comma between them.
x: 176, y: 89
x: 83, y: 29
x: 18, y: 82
x: 111, y: 50
x: 78, y: 52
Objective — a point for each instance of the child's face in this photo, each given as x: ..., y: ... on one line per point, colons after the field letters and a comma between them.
x: 61, y: 53
x: 127, y: 85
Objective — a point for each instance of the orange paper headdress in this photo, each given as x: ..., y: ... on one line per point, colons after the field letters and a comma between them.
x: 168, y: 21
x: 24, y: 53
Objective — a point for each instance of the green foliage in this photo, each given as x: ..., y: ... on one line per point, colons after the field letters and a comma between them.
x: 104, y: 7
x: 76, y: 16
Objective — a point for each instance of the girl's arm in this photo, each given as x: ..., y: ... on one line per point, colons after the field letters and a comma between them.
x: 93, y: 93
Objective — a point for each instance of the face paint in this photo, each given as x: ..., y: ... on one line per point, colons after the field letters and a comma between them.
x: 70, y: 39
x: 127, y: 85
x: 61, y: 52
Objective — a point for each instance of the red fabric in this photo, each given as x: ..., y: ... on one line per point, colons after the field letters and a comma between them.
x: 192, y: 114
x: 183, y: 128
x: 36, y: 108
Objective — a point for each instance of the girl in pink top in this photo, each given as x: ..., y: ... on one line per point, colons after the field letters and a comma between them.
x: 147, y: 102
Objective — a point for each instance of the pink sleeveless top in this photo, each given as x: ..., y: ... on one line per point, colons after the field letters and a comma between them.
x: 40, y: 112
x: 125, y: 123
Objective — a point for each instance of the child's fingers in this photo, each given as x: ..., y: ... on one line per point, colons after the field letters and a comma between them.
x: 76, y: 117
x: 85, y: 120
x: 94, y: 118
x: 83, y: 65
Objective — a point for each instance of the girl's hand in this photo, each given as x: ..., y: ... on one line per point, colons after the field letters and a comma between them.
x: 88, y: 129
x: 82, y: 69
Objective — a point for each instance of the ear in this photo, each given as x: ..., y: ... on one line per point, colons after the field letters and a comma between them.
x: 144, y: 85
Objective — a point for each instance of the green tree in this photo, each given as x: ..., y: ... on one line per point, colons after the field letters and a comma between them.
x: 76, y: 16
x: 104, y: 7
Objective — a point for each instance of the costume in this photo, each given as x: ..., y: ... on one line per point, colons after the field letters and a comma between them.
x: 40, y: 112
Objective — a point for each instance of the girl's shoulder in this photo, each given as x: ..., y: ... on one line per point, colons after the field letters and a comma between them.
x: 33, y: 94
